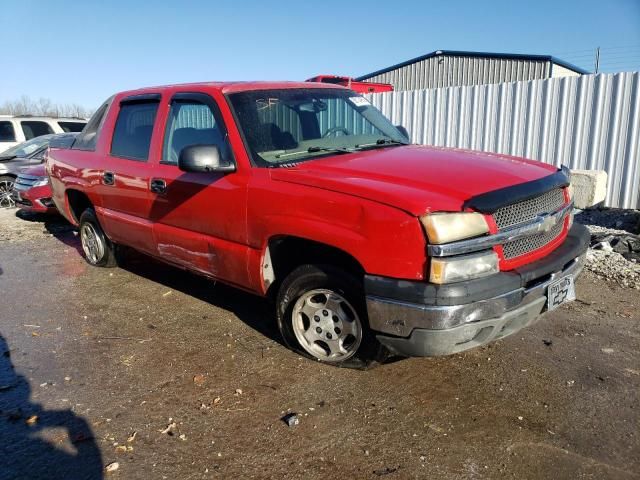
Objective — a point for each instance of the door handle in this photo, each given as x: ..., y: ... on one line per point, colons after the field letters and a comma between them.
x: 108, y: 178
x: 158, y: 185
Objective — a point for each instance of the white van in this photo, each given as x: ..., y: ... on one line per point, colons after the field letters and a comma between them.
x: 16, y: 129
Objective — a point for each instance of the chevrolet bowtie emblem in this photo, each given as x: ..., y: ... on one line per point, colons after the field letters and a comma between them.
x: 548, y: 222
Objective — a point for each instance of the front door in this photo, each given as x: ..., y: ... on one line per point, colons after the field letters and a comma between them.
x: 199, y: 219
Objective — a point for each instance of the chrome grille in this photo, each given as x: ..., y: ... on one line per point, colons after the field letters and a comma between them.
x: 528, y: 210
x: 534, y: 242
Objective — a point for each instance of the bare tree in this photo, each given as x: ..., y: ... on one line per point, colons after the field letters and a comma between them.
x: 44, y: 106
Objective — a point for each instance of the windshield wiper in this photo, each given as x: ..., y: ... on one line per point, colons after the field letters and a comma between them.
x: 315, y: 149
x: 381, y: 142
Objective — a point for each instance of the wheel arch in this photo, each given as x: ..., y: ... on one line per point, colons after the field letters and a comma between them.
x: 77, y: 202
x: 284, y: 253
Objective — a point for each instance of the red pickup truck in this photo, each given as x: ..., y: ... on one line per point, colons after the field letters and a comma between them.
x: 305, y: 193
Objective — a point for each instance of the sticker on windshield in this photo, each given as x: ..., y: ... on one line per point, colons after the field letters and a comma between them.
x: 359, y: 101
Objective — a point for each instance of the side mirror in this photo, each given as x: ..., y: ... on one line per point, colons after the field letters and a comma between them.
x: 203, y: 158
x: 403, y: 131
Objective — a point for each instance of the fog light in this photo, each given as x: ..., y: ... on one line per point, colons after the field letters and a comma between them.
x: 464, y: 267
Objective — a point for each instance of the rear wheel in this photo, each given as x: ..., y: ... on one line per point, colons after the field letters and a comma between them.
x: 322, y: 315
x: 98, y: 250
x: 6, y: 189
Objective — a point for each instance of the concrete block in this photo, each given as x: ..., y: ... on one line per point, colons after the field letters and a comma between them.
x: 589, y: 187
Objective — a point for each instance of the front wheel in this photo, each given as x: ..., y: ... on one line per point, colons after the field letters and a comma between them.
x: 6, y: 191
x: 322, y: 315
x: 98, y: 250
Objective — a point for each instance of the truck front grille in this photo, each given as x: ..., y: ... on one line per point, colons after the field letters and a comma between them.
x: 526, y: 211
x: 534, y: 242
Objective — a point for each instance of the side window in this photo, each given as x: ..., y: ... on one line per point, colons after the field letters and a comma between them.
x: 191, y: 122
x: 33, y: 129
x: 133, y: 130
x: 71, y: 126
x: 7, y: 134
x: 88, y: 138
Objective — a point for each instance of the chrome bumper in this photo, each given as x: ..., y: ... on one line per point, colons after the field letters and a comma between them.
x: 401, y: 318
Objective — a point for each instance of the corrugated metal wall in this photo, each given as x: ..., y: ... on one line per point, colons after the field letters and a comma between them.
x: 446, y: 71
x: 586, y: 122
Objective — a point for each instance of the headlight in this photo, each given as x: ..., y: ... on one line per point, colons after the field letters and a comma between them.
x: 464, y: 267
x: 449, y: 227
x: 41, y: 182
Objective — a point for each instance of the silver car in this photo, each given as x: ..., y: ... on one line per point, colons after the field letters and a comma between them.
x: 26, y: 154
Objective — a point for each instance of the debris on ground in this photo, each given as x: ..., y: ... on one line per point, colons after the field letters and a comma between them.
x: 112, y: 467
x: 291, y: 419
x: 31, y: 420
x: 199, y: 379
x: 385, y: 471
x: 615, y: 244
x: 170, y: 428
x: 132, y: 437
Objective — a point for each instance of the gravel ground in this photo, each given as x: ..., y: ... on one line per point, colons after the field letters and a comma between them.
x: 610, y: 265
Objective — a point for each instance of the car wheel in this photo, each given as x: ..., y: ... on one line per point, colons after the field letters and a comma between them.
x: 98, y: 249
x: 6, y: 189
x: 322, y: 314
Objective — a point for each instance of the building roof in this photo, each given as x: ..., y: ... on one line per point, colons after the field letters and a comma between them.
x: 458, y: 53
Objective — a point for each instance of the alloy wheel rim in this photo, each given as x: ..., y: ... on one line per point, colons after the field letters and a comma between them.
x: 6, y: 189
x: 91, y: 243
x: 326, y: 325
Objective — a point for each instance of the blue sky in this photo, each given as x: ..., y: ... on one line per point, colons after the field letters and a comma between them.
x: 82, y: 52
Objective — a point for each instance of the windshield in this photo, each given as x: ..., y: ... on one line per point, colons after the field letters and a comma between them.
x: 294, y: 125
x: 25, y: 149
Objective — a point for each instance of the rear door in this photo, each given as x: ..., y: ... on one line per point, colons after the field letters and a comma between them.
x: 124, y: 180
x: 199, y: 218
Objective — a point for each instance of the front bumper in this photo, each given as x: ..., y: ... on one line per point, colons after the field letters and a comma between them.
x: 34, y: 199
x: 423, y: 319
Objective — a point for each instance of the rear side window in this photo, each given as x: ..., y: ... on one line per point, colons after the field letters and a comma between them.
x: 7, y: 134
x: 71, y: 126
x: 89, y: 136
x: 132, y: 133
x: 33, y: 129
x: 190, y: 123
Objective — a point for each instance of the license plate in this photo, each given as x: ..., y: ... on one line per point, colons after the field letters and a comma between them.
x: 560, y: 291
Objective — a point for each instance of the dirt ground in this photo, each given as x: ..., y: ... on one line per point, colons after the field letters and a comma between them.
x: 172, y: 376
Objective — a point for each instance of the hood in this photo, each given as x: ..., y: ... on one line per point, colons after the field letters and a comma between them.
x: 415, y: 178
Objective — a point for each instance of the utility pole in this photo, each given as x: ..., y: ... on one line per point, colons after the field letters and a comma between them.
x: 597, y: 59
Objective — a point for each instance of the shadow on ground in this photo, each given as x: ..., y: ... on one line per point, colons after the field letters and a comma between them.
x: 39, y: 443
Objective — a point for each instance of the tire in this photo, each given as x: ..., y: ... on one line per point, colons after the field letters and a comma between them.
x: 98, y: 250
x: 322, y: 315
x: 6, y: 187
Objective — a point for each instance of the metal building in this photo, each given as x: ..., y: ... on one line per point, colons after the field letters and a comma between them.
x: 449, y: 68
